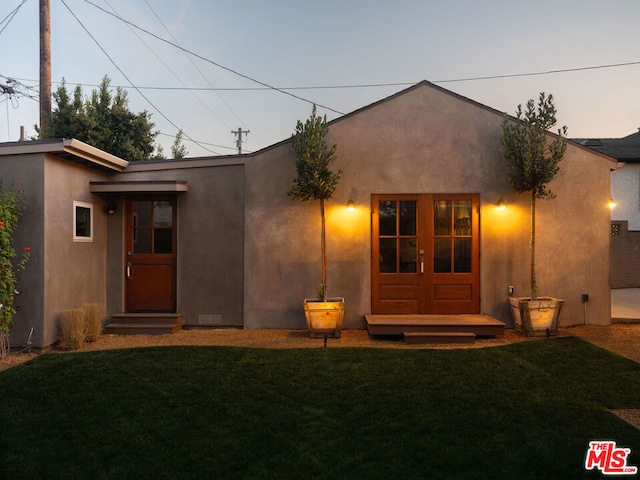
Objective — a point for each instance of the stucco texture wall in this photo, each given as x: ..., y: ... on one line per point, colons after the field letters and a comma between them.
x: 28, y: 171
x: 425, y: 140
x: 210, y: 241
x: 625, y: 189
x: 74, y: 272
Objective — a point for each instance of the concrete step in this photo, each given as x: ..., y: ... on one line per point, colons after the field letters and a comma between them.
x: 144, y: 323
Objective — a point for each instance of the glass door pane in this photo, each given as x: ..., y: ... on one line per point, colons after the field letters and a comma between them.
x: 397, y: 224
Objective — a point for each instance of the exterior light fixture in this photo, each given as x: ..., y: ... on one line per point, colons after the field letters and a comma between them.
x: 502, y: 204
x: 351, y: 205
x: 111, y: 208
x: 612, y: 202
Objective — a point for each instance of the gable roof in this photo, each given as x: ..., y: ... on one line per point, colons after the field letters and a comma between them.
x: 626, y: 149
x: 425, y: 83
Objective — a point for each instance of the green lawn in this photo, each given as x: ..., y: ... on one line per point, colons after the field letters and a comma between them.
x: 525, y: 410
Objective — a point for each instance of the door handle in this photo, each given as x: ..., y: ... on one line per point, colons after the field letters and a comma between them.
x: 128, y: 270
x: 421, y: 265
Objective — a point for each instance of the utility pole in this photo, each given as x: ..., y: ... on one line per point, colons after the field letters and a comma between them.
x: 45, y: 64
x: 239, y: 133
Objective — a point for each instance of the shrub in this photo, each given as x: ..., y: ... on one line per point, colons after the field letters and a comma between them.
x: 72, y: 328
x: 93, y: 313
x: 11, y: 210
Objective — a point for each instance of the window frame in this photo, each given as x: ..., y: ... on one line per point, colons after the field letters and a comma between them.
x: 88, y: 206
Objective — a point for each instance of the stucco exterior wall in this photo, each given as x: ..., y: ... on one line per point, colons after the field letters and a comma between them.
x: 210, y: 240
x: 425, y: 140
x: 29, y: 171
x: 625, y: 189
x: 74, y: 272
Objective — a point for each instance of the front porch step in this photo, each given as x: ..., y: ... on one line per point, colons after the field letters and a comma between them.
x: 414, y: 338
x: 144, y: 323
x: 479, y: 325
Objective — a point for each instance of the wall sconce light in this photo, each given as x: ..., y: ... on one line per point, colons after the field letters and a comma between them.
x: 612, y: 202
x: 111, y: 208
x: 351, y: 205
x: 502, y: 204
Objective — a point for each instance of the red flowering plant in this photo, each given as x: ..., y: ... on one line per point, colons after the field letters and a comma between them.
x: 11, y: 210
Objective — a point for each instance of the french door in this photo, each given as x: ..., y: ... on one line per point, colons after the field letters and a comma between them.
x: 425, y: 254
x: 150, y: 262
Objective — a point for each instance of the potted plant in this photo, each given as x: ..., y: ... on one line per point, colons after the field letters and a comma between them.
x: 533, y: 158
x: 316, y: 181
x: 11, y: 208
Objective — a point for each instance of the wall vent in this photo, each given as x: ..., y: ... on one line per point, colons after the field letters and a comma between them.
x: 210, y: 319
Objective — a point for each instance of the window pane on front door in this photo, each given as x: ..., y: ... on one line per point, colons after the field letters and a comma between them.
x: 408, y: 255
x: 442, y: 255
x: 387, y: 218
x: 397, y: 235
x: 442, y: 217
x: 462, y: 217
x: 388, y: 255
x: 141, y: 240
x: 408, y: 218
x: 452, y: 242
x: 162, y: 240
x: 462, y: 255
x: 162, y: 214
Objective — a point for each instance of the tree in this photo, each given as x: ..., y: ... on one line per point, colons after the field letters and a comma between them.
x: 103, y: 121
x: 532, y: 158
x: 315, y: 181
x: 178, y: 150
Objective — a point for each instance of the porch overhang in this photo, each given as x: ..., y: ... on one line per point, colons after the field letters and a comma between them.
x: 144, y: 186
x: 68, y: 148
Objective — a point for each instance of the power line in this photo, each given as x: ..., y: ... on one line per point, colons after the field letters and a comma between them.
x: 215, y: 63
x: 198, y: 69
x: 11, y: 14
x: 531, y: 74
x: 127, y: 78
x: 164, y: 63
x: 380, y: 85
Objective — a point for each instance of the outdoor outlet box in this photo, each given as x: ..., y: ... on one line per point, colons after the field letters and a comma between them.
x: 510, y: 290
x: 585, y: 297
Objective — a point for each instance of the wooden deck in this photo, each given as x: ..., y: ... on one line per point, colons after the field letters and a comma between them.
x: 144, y: 323
x: 435, y: 328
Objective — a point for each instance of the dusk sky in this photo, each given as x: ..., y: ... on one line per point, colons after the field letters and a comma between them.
x: 339, y: 54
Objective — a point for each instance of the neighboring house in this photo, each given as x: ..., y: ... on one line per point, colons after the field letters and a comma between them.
x: 218, y: 240
x: 625, y: 216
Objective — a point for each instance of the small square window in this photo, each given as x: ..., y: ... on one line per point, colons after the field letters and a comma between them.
x: 82, y: 222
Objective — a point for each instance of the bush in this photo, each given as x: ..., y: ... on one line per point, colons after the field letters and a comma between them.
x: 72, y: 328
x: 93, y: 313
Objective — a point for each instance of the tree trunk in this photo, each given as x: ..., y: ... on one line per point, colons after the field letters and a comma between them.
x: 534, y: 285
x: 323, y: 247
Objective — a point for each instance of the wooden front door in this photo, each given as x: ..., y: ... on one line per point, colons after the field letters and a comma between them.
x: 150, y: 254
x: 425, y: 254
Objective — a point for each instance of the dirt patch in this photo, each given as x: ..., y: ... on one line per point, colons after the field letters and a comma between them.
x: 623, y: 339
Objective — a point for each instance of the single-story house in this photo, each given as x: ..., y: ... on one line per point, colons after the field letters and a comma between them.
x: 625, y: 216
x: 218, y: 240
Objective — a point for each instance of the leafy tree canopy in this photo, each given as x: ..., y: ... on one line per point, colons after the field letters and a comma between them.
x: 103, y: 121
x: 315, y: 181
x: 178, y: 150
x: 533, y: 161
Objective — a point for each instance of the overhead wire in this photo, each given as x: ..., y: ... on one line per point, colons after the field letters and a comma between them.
x: 177, y: 77
x: 10, y: 16
x: 390, y: 84
x: 198, y: 70
x: 129, y: 80
x: 247, y: 77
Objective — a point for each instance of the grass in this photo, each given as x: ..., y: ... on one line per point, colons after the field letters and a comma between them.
x: 526, y: 410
